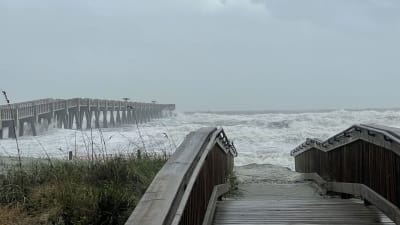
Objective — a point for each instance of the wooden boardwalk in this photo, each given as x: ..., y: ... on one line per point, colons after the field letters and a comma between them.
x: 362, y: 161
x: 298, y: 203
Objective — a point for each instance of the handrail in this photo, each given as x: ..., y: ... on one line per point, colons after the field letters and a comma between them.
x: 363, y: 160
x: 218, y: 191
x: 387, y: 137
x: 181, y: 191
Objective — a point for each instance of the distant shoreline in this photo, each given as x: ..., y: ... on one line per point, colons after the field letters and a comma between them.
x: 252, y: 112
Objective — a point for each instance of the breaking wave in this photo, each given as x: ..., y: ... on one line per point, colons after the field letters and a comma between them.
x: 260, y: 137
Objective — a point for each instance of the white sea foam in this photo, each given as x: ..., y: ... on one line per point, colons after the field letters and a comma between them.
x: 262, y: 138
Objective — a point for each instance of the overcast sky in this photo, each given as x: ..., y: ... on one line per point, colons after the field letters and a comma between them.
x: 204, y: 54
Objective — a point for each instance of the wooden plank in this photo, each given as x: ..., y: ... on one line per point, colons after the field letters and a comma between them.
x: 361, y: 190
x: 308, y: 208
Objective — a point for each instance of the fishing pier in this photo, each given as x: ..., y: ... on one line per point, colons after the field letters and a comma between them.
x: 76, y: 113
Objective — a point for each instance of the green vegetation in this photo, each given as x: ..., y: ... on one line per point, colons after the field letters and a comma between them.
x: 101, y: 192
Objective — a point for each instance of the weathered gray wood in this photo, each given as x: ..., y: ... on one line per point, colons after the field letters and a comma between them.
x: 193, y: 178
x: 218, y: 191
x: 181, y: 190
x: 361, y: 190
x: 386, y: 137
x: 282, y: 204
x: 362, y: 157
x: 162, y: 198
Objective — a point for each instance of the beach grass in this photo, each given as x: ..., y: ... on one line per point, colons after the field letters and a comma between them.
x: 77, y: 192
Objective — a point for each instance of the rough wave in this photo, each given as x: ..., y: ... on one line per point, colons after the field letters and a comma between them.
x: 260, y: 137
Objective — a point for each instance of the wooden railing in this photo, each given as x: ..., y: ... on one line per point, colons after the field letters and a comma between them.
x: 186, y: 188
x: 363, y: 160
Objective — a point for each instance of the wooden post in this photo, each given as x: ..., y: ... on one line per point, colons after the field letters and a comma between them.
x: 57, y: 119
x: 34, y: 120
x: 88, y: 119
x: 124, y: 114
x: 141, y: 113
x: 79, y: 115
x: 147, y: 113
x: 70, y: 155
x: 52, y: 113
x: 105, y: 125
x: 65, y: 116
x: 129, y: 115
x: 89, y: 115
x: 97, y: 115
x: 137, y: 113
x: 14, y: 125
x: 97, y: 119
x: 1, y: 125
x: 71, y: 115
x: 16, y: 118
x: 118, y: 117
x: 112, y: 121
x: 21, y: 128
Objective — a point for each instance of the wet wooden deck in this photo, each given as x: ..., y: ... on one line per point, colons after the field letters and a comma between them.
x: 299, y: 203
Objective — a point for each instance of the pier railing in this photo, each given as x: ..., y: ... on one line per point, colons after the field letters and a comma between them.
x: 186, y: 188
x: 71, y: 112
x: 28, y: 109
x: 363, y: 160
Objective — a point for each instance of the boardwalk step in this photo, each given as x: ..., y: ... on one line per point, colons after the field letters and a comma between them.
x: 292, y: 209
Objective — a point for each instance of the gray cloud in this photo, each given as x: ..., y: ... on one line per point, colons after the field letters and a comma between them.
x: 361, y: 15
x: 203, y: 54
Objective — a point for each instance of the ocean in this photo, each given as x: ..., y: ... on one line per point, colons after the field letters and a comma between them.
x: 260, y: 137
